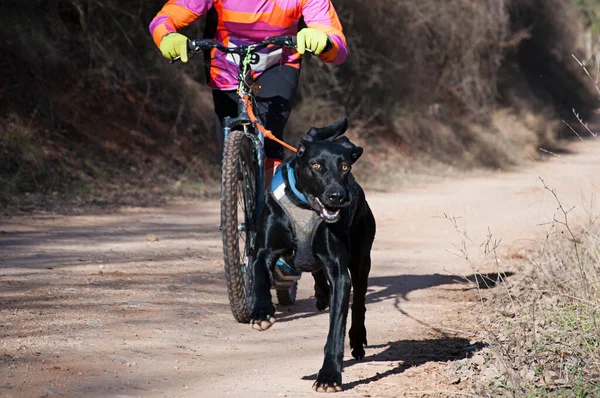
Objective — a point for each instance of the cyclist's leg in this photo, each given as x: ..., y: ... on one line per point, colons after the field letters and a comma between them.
x: 225, y: 105
x: 274, y: 103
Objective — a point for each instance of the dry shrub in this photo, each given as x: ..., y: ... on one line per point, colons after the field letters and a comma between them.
x: 20, y: 136
x: 122, y: 118
x: 543, y: 327
x: 550, y: 340
x: 538, y: 72
x: 24, y: 166
x: 97, y: 60
x: 514, y: 137
x: 510, y: 137
x: 540, y: 324
x: 431, y: 77
x: 411, y: 54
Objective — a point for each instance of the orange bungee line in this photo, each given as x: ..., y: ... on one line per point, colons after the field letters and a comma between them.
x: 267, y: 133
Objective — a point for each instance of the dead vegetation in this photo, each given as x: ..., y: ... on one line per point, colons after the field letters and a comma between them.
x: 454, y: 83
x: 542, y: 327
x: 551, y: 336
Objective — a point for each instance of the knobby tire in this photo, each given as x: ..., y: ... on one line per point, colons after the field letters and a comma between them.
x: 238, y: 188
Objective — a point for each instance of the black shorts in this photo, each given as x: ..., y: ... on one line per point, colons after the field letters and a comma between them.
x: 273, y: 103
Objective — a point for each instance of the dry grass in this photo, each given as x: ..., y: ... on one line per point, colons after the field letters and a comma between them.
x: 550, y: 339
x: 21, y: 157
x: 542, y: 327
x: 21, y: 136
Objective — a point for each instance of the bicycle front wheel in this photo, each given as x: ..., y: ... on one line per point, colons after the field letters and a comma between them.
x: 238, y: 219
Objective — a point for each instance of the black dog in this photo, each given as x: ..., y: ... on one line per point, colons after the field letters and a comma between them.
x: 317, y: 219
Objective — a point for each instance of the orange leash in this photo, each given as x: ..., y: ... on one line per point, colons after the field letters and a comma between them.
x: 267, y: 133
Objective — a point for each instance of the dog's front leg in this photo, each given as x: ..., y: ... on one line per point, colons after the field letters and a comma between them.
x: 329, y: 378
x: 263, y: 310
x: 272, y: 241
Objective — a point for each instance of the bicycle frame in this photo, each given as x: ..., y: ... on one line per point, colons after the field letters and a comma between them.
x: 243, y: 119
x: 246, y: 125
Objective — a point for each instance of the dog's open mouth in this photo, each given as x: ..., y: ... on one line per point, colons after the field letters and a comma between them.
x: 328, y: 214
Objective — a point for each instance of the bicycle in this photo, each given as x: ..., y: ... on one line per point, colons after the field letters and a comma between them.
x: 242, y: 182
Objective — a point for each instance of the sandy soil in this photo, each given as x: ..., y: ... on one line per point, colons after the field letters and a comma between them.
x: 91, y: 306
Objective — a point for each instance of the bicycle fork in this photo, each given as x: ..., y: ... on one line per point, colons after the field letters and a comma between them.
x: 258, y: 143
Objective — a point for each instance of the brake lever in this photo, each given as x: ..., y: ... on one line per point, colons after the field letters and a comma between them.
x: 191, y: 51
x: 178, y: 58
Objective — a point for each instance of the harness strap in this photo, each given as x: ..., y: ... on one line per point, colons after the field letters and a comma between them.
x: 278, y: 184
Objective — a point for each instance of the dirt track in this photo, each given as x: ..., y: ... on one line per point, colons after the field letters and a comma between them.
x: 90, y: 307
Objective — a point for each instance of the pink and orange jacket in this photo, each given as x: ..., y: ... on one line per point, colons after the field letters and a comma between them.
x: 242, y: 22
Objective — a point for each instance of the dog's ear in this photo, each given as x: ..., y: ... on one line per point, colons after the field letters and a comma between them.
x: 327, y: 133
x: 355, y: 151
x: 300, y: 150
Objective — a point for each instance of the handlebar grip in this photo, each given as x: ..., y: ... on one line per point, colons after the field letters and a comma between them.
x: 196, y: 46
x: 284, y: 41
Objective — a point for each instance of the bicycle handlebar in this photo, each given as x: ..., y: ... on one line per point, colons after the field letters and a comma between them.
x: 196, y: 46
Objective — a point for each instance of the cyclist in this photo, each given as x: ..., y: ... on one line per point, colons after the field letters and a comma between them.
x: 275, y: 70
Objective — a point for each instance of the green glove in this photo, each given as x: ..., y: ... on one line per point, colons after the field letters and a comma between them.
x: 311, y: 39
x: 174, y: 45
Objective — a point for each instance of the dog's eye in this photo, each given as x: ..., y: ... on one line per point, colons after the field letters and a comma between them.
x: 345, y: 167
x: 316, y: 166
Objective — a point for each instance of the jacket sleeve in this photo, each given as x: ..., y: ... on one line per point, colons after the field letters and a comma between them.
x: 176, y: 14
x: 320, y: 14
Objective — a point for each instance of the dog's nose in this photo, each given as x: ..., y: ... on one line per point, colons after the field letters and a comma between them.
x: 336, y: 198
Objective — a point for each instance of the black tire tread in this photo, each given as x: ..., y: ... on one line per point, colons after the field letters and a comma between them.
x: 236, y: 284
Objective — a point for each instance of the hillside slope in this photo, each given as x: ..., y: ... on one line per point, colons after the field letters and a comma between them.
x: 91, y: 113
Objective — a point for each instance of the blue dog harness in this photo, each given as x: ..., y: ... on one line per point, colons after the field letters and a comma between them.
x: 278, y: 183
x: 305, y: 221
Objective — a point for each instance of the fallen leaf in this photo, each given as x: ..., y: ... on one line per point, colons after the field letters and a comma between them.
x: 151, y: 238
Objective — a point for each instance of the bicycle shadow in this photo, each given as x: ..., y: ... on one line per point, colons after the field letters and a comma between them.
x: 408, y: 353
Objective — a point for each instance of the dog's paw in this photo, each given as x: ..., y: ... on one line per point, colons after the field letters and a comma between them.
x: 328, y: 381
x: 358, y: 338
x: 262, y: 325
x: 263, y: 317
x: 358, y: 352
x: 326, y: 387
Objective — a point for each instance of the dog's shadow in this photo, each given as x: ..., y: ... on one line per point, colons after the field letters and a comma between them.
x: 405, y: 354
x: 396, y: 288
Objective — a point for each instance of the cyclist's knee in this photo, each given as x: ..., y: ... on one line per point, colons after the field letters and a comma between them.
x: 271, y: 165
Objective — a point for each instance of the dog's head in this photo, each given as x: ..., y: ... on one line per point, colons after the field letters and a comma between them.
x: 323, y: 163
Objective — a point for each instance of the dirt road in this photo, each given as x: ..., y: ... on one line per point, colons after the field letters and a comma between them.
x: 91, y: 306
